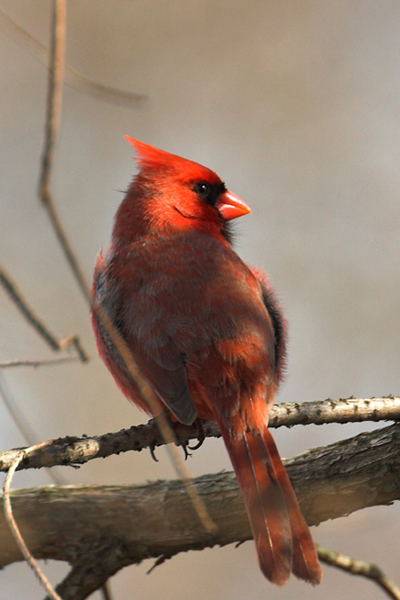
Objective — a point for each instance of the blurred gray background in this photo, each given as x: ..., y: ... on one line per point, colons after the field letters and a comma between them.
x: 296, y: 106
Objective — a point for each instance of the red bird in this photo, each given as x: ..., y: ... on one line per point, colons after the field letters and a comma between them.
x: 207, y: 334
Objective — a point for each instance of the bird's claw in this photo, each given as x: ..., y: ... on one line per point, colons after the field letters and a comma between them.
x: 152, y: 452
x: 200, y: 438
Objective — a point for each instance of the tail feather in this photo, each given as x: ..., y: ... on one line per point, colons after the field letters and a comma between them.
x: 305, y: 559
x: 283, y: 540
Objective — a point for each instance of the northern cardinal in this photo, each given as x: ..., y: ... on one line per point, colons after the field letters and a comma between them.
x: 207, y: 334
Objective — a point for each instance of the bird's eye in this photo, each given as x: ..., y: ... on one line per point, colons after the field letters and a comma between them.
x: 202, y: 188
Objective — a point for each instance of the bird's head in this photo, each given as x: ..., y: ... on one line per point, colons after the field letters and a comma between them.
x: 170, y: 191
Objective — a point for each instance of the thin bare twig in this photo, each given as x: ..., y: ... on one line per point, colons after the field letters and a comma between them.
x: 37, y: 363
x: 359, y: 568
x: 74, y: 341
x: 16, y: 296
x: 73, y: 78
x: 105, y: 591
x: 40, y: 327
x: 14, y: 527
x: 54, y: 94
x: 53, y: 112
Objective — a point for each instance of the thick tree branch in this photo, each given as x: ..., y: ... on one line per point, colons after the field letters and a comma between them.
x: 108, y: 527
x: 75, y: 450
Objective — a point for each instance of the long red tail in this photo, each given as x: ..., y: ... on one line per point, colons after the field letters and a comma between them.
x: 283, y: 540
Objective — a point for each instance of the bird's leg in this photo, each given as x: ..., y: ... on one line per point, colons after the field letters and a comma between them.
x: 175, y: 427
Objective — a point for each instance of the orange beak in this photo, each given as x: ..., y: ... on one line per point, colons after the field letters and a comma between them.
x: 231, y: 206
